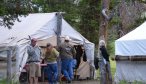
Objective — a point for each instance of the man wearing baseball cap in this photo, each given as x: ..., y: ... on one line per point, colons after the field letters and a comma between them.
x: 67, y: 52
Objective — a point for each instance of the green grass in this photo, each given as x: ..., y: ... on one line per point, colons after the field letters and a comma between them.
x: 135, y: 82
x: 3, y: 81
x: 113, y: 67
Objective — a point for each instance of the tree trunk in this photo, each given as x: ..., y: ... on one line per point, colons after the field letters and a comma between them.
x: 104, y: 22
x: 103, y: 36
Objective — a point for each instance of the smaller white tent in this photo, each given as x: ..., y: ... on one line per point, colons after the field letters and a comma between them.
x: 41, y: 26
x: 132, y: 44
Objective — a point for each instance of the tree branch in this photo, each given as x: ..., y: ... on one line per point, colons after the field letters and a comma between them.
x: 107, y: 17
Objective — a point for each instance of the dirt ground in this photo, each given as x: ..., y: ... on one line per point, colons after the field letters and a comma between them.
x: 74, y: 82
x: 79, y: 82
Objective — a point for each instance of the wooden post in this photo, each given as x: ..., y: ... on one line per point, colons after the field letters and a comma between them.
x: 9, y: 66
x: 59, y: 28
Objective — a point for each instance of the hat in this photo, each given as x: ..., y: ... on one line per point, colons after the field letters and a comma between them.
x: 48, y: 44
x: 34, y: 39
x: 67, y: 38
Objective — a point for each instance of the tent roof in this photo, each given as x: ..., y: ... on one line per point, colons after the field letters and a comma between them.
x: 132, y: 43
x: 38, y: 26
x: 41, y: 26
x: 137, y: 34
x: 28, y: 26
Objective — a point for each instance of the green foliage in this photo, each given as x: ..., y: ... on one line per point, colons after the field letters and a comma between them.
x: 111, y: 47
x: 138, y: 22
x: 89, y: 19
x: 115, y: 20
x: 143, y: 1
x: 111, y: 42
x: 11, y: 9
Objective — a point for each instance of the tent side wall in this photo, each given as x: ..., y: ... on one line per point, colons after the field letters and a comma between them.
x: 132, y: 48
x: 130, y: 71
x: 134, y: 69
x: 89, y: 48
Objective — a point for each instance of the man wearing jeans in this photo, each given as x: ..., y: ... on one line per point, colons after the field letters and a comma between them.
x: 67, y: 52
x: 51, y: 57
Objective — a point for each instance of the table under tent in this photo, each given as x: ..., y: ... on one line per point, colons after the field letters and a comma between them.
x: 46, y: 27
x: 130, y: 51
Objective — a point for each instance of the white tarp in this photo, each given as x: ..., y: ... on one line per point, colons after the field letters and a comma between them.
x: 41, y: 26
x: 132, y: 44
x: 130, y: 71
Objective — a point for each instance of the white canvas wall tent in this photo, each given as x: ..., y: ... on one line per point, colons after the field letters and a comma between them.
x: 132, y: 49
x: 42, y: 26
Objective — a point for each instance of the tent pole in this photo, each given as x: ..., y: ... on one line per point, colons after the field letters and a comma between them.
x: 59, y: 29
x: 9, y: 65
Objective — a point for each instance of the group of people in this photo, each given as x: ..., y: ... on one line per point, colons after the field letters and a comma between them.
x: 65, y: 51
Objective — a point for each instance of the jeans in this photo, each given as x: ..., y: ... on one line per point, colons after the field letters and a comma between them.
x: 67, y: 69
x: 52, y: 73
